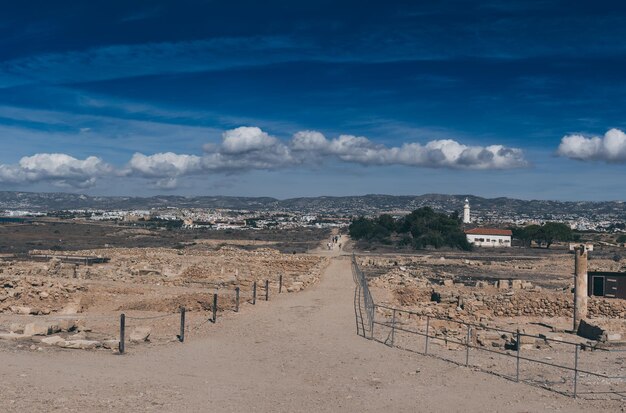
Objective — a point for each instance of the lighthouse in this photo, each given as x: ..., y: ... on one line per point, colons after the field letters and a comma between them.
x: 466, y: 212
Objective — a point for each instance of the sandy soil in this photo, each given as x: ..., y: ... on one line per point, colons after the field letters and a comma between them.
x: 299, y: 352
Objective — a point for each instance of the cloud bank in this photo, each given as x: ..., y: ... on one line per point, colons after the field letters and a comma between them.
x: 609, y: 148
x: 250, y: 148
x: 57, y: 168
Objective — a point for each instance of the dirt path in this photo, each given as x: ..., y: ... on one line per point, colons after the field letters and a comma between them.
x: 298, y: 353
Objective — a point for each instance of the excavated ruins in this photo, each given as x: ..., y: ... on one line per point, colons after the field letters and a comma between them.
x: 68, y: 302
x: 534, y: 296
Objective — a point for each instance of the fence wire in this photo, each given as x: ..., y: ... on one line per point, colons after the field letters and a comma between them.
x: 456, y: 341
x: 158, y: 328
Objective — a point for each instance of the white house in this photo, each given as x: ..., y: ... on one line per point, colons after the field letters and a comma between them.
x: 489, y: 237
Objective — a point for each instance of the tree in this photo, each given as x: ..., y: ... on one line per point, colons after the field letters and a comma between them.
x: 547, y: 233
x: 621, y: 239
x: 368, y: 229
x: 387, y: 221
x: 555, y: 231
x: 421, y: 228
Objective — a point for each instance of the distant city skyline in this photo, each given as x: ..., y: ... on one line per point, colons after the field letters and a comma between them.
x: 501, y: 98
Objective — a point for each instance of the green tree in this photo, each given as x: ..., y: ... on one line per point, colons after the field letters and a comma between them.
x: 421, y: 228
x: 555, y: 231
x: 547, y: 233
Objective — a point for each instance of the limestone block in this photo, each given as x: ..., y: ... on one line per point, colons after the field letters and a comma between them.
x: 140, y: 334
x: 36, y: 329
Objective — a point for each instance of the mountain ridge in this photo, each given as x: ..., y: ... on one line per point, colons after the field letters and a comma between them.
x: 351, y: 204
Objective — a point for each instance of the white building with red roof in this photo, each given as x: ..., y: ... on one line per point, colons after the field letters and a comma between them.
x: 489, y: 237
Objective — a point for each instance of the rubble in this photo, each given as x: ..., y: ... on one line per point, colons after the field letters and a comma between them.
x: 158, y: 281
x: 33, y: 295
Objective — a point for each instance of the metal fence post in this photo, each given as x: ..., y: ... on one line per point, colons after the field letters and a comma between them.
x: 254, y: 293
x: 393, y: 327
x: 372, y: 323
x: 427, y: 334
x: 181, y: 337
x: 236, y: 299
x: 267, y: 290
x: 576, y: 371
x: 214, y: 308
x: 122, y: 331
x: 280, y: 284
x: 467, y: 345
x: 519, y: 346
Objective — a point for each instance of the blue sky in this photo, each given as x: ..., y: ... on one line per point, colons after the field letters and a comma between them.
x: 284, y: 99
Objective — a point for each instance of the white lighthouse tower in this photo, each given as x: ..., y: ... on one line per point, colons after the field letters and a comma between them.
x: 466, y: 212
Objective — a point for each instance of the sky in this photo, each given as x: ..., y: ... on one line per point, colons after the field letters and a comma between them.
x: 523, y: 99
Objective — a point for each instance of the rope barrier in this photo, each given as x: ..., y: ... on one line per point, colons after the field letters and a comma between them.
x: 151, y: 317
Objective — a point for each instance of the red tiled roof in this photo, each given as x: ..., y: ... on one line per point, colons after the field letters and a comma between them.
x: 488, y: 231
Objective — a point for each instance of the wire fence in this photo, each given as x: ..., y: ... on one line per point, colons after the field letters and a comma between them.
x: 570, y: 368
x: 118, y: 331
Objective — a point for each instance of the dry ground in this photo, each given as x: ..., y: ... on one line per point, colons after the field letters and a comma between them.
x: 299, y: 352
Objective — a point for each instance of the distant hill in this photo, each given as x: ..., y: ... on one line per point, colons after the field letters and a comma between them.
x: 366, y: 204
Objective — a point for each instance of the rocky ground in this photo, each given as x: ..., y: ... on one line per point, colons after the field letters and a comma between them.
x: 297, y: 353
x: 63, y: 304
x: 498, y: 295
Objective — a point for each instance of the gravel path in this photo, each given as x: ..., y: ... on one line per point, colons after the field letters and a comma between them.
x: 297, y: 353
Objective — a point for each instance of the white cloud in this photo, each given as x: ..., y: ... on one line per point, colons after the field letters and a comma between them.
x: 250, y: 148
x: 444, y: 153
x: 246, y: 139
x: 57, y: 168
x: 162, y: 165
x: 609, y: 148
x: 309, y: 140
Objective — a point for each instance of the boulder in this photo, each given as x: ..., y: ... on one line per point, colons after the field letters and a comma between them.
x: 71, y: 308
x: 589, y: 330
x: 111, y: 344
x: 53, y: 340
x: 80, y: 344
x: 295, y: 287
x: 448, y: 283
x: 613, y: 337
x: 67, y: 325
x: 16, y: 328
x: 36, y: 329
x: 140, y: 334
x: 502, y: 284
x: 21, y: 310
x: 12, y: 336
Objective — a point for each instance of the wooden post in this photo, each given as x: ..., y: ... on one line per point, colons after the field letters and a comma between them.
x: 254, y: 293
x: 181, y: 337
x: 467, y: 345
x: 427, y: 330
x: 236, y: 299
x: 214, y: 308
x: 267, y: 290
x: 519, y: 347
x: 122, y: 330
x: 576, y: 372
x: 280, y: 284
x: 393, y: 327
